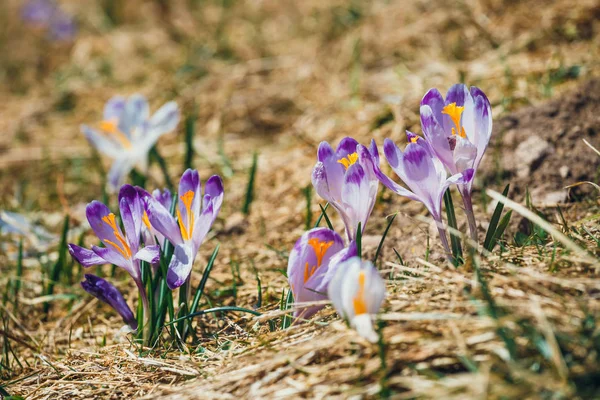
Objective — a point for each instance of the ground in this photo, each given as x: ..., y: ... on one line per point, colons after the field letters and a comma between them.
x: 275, y: 78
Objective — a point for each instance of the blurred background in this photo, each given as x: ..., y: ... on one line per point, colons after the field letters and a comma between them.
x: 269, y: 75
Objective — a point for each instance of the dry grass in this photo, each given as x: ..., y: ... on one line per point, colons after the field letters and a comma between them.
x: 277, y: 77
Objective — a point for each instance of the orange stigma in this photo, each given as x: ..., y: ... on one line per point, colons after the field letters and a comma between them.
x: 455, y: 113
x: 320, y: 248
x: 348, y: 160
x: 414, y: 139
x: 110, y: 127
x: 187, y: 199
x: 358, y: 301
x: 146, y: 220
x: 124, y: 248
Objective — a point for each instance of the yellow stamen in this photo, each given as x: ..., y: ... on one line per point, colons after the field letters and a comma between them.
x: 455, y: 113
x: 123, y: 248
x: 146, y: 220
x: 414, y: 139
x: 187, y: 199
x: 110, y: 127
x: 320, y: 248
x: 348, y: 160
x: 360, y: 307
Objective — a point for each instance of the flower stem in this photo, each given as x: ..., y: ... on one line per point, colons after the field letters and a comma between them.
x: 442, y: 231
x: 466, y: 196
x: 146, y: 306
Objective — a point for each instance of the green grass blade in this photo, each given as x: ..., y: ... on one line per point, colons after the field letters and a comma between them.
x: 202, y: 284
x: 500, y: 230
x: 308, y: 196
x: 359, y: 239
x: 215, y: 310
x: 457, y: 253
x: 190, y: 132
x: 60, y: 263
x: 324, y: 215
x: 387, y: 228
x: 287, y: 319
x: 155, y: 156
x: 250, y: 187
x: 491, y: 232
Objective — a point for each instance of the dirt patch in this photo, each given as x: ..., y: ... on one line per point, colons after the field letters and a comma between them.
x: 542, y: 147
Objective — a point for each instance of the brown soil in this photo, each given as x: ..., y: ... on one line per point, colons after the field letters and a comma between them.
x: 542, y: 147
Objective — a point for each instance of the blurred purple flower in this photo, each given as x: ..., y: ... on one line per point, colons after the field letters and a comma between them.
x: 308, y: 265
x: 423, y: 173
x: 345, y: 179
x: 48, y: 15
x: 195, y: 216
x: 357, y: 292
x: 128, y: 133
x: 458, y: 129
x: 106, y: 292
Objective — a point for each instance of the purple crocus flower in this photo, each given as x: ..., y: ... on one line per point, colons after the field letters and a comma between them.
x: 458, y: 129
x: 120, y: 249
x: 195, y: 216
x: 422, y: 172
x: 347, y: 181
x: 48, y: 15
x: 308, y: 265
x: 106, y: 292
x: 128, y: 133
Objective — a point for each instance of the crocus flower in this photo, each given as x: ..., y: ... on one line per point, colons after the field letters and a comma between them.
x: 128, y: 133
x: 48, y: 15
x: 195, y: 216
x: 308, y: 264
x: 422, y: 172
x: 357, y: 292
x: 347, y: 182
x: 106, y: 292
x: 458, y: 129
x: 122, y: 250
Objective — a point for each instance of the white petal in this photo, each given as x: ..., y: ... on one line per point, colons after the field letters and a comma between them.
x: 364, y: 326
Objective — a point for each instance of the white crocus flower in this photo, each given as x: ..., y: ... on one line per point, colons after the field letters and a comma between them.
x: 128, y: 132
x: 357, y: 292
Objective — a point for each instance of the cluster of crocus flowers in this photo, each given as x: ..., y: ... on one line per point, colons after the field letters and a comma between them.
x: 345, y: 178
x: 459, y: 129
x: 128, y: 132
x: 147, y: 222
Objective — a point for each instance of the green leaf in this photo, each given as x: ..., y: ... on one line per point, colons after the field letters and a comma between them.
x: 387, y: 228
x: 491, y: 232
x: 359, y: 240
x: 155, y: 156
x: 500, y: 230
x: 286, y: 322
x: 324, y: 214
x: 205, y: 275
x: 250, y: 187
x: 457, y: 253
x: 308, y: 196
x: 190, y: 132
x: 215, y: 310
